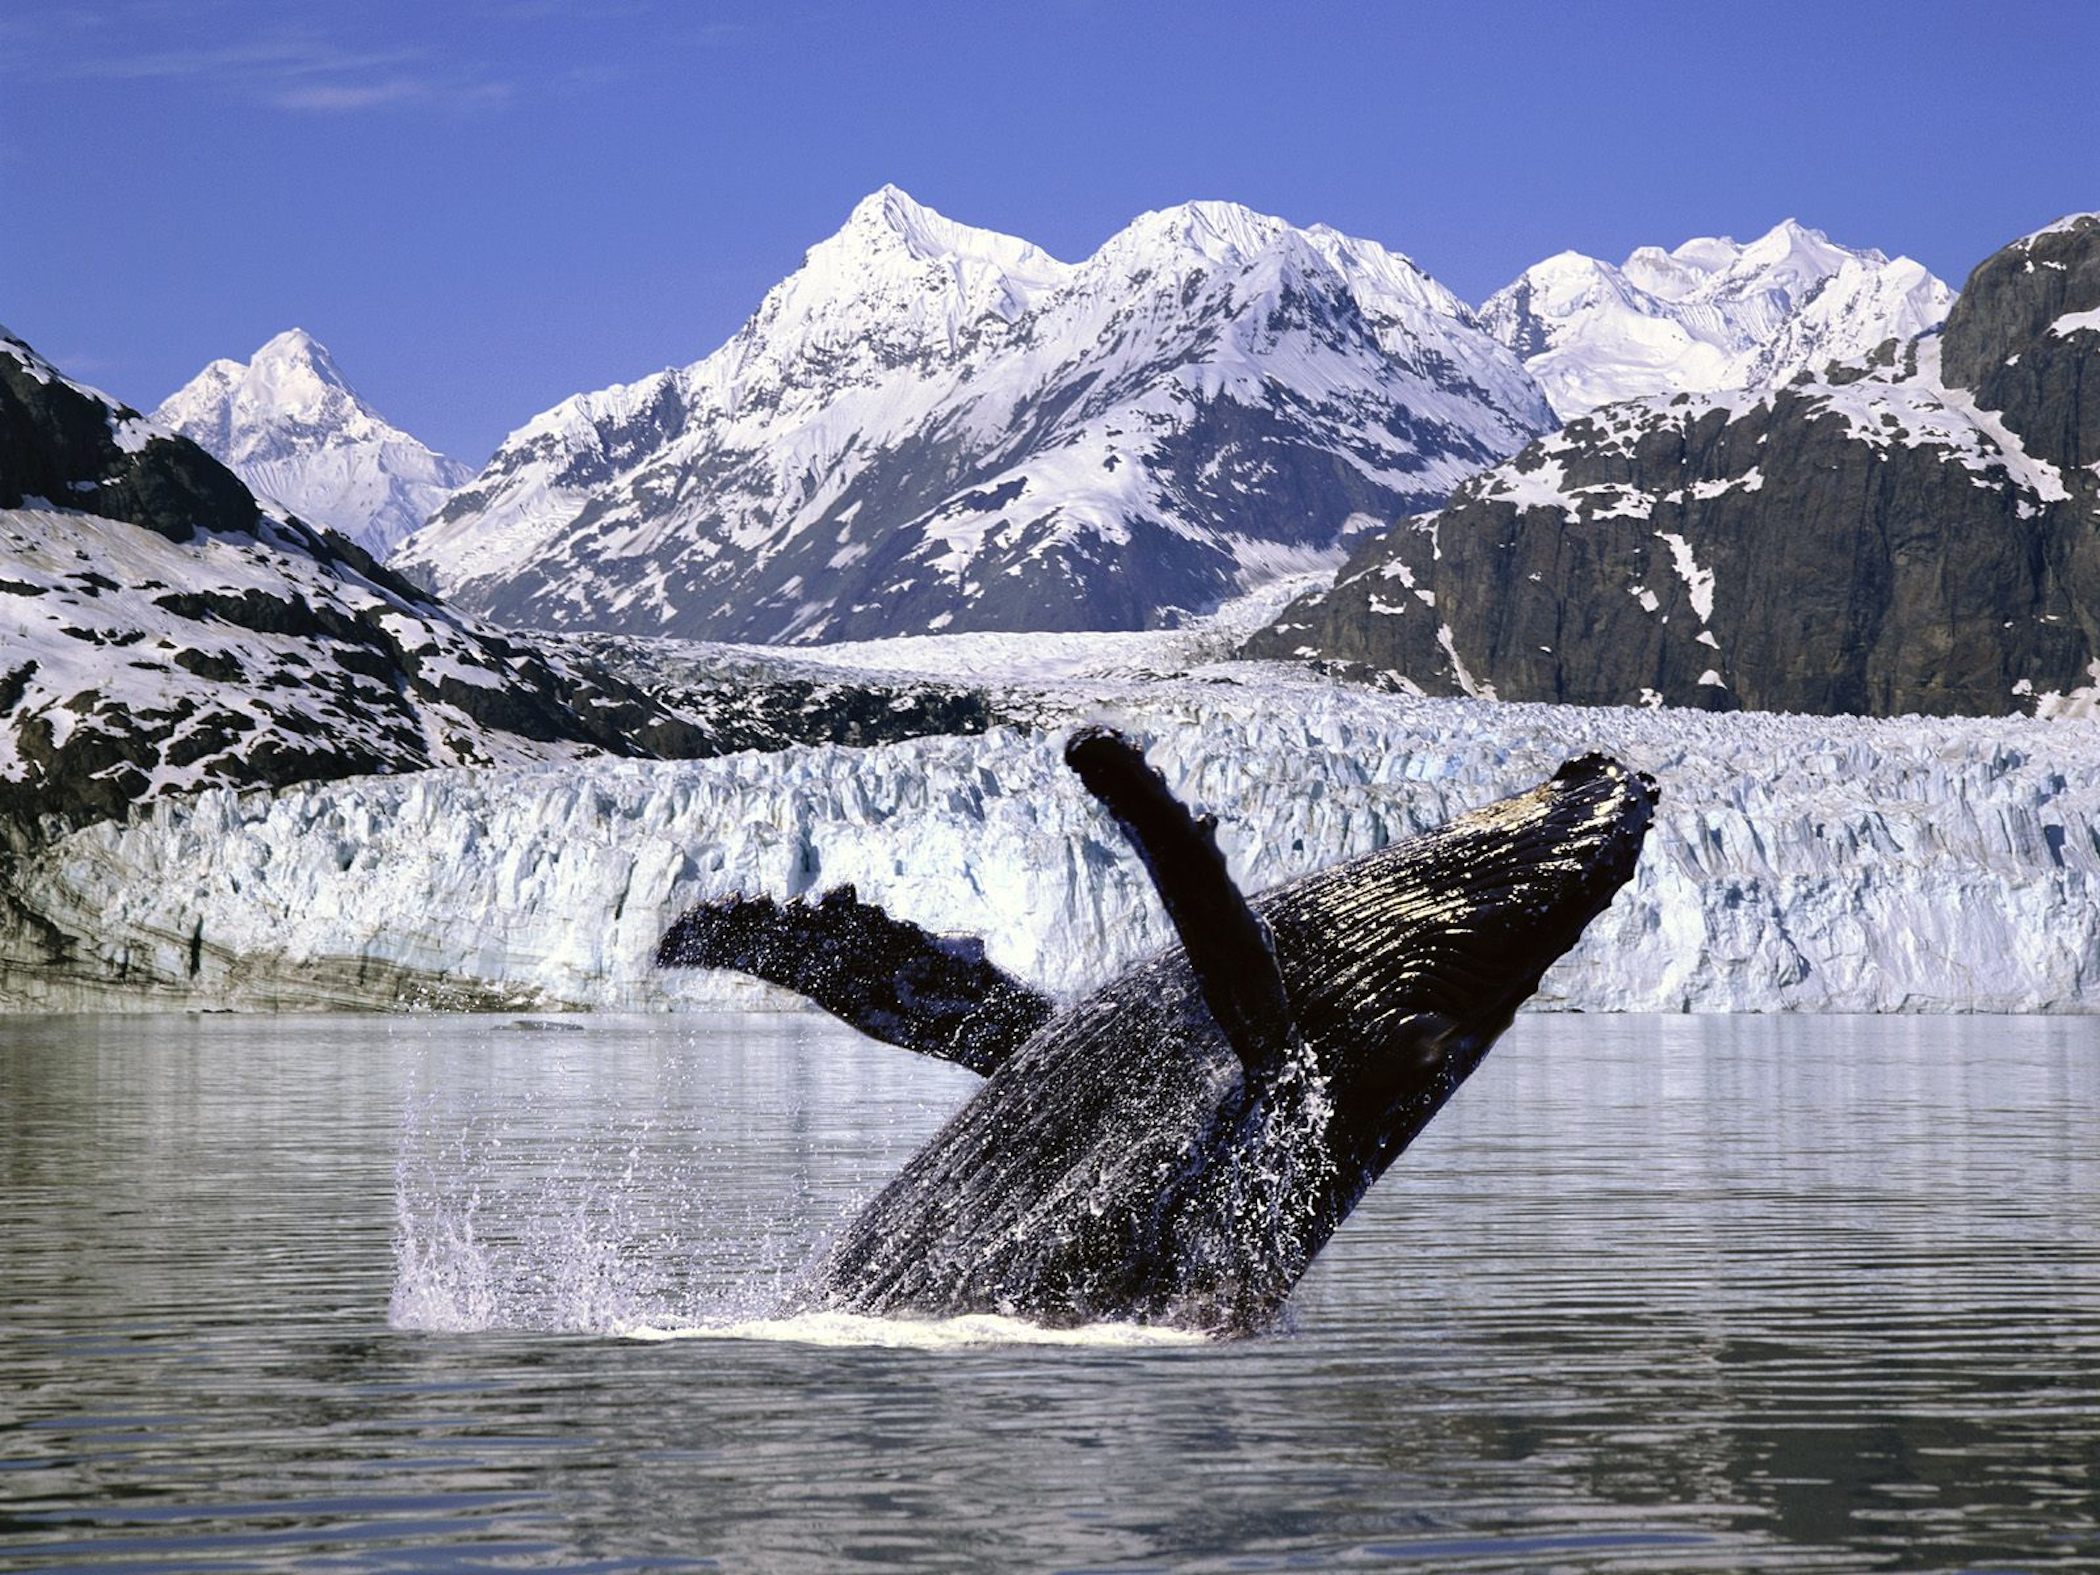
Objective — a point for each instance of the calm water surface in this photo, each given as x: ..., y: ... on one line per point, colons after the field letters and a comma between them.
x: 1653, y: 1294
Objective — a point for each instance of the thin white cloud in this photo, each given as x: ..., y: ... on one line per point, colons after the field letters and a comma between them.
x: 289, y: 58
x: 298, y: 71
x: 339, y: 96
x: 347, y: 97
x: 276, y: 59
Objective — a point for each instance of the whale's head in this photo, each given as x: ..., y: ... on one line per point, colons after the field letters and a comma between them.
x: 1404, y: 966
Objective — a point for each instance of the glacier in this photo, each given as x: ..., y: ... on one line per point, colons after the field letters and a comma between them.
x: 1798, y: 863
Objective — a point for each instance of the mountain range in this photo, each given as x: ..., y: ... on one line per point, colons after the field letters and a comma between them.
x: 1707, y: 316
x: 164, y: 631
x: 929, y: 426
x: 1915, y: 530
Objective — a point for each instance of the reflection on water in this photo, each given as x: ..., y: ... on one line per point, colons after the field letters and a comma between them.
x: 1653, y: 1294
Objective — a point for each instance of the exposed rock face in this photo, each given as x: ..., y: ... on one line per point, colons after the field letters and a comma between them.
x: 1913, y: 531
x: 287, y: 423
x: 933, y: 427
x: 1709, y: 315
x: 2026, y: 340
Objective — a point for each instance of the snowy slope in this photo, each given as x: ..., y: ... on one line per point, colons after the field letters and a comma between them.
x: 290, y: 426
x: 161, y: 631
x: 1797, y: 863
x: 1709, y: 315
x: 930, y: 426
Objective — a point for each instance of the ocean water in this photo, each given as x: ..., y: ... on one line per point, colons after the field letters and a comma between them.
x: 365, y: 1293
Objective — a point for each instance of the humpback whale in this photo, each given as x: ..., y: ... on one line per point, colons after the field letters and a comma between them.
x: 1176, y: 1147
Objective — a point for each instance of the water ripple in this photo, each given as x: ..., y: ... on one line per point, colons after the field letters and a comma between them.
x: 1654, y: 1294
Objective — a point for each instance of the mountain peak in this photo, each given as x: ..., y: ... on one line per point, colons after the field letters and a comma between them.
x: 291, y: 426
x: 890, y: 218
x: 1222, y: 232
x: 1791, y: 240
x: 1703, y: 254
x: 892, y: 209
x: 294, y: 344
x: 291, y: 374
x: 1572, y: 265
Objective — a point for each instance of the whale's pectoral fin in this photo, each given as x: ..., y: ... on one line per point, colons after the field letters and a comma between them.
x: 1228, y: 946
x: 936, y: 994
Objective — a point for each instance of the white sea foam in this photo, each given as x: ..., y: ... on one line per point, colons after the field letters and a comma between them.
x: 931, y: 1334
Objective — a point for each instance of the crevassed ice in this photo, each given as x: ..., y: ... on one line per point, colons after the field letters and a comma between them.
x: 1825, y: 864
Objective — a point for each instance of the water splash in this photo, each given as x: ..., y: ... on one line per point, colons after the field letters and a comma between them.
x: 552, y: 1190
x: 525, y: 1213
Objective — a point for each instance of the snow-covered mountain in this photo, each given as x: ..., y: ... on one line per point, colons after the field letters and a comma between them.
x: 1911, y: 530
x: 1707, y: 316
x: 162, y: 632
x: 290, y: 426
x: 1797, y: 862
x: 930, y: 426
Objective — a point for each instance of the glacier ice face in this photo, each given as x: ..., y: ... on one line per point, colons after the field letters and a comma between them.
x: 288, y: 423
x: 1797, y: 863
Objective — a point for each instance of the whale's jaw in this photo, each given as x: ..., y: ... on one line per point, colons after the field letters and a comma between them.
x: 1406, y: 966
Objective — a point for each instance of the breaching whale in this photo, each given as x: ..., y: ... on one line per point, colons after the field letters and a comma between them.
x: 1177, y: 1146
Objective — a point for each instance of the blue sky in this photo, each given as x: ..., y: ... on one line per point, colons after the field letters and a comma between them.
x: 484, y: 206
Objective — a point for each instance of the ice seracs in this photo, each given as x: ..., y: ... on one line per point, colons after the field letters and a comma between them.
x: 1710, y: 314
x: 1797, y: 863
x: 930, y: 426
x: 288, y: 423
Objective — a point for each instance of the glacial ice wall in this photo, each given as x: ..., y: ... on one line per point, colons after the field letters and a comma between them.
x: 1798, y: 863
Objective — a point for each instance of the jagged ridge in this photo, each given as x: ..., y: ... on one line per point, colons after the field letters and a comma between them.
x: 930, y: 426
